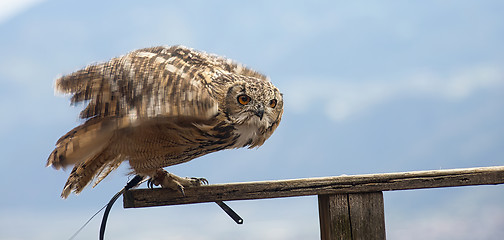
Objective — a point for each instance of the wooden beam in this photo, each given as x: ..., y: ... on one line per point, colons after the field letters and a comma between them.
x: 316, y: 186
x: 352, y: 216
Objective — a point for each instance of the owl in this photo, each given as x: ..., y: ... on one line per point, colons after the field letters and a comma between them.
x: 158, y: 107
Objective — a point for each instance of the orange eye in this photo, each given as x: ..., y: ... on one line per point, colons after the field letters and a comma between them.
x: 243, y: 99
x: 273, y: 103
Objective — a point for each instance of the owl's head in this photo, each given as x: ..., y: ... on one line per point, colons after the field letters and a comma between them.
x: 255, y: 107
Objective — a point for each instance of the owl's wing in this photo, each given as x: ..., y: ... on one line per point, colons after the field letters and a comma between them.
x: 146, y: 83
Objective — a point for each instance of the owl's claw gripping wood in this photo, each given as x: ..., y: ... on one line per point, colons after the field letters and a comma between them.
x: 150, y: 183
x: 200, y: 180
x: 168, y: 180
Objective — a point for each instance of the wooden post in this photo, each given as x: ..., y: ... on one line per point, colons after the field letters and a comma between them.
x: 334, y: 217
x: 352, y: 216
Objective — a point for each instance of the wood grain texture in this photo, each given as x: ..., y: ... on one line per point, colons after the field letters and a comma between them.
x: 316, y: 186
x: 353, y: 216
x: 334, y: 217
x: 367, y: 215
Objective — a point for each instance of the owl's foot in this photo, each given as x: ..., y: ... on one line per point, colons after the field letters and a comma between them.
x: 168, y: 180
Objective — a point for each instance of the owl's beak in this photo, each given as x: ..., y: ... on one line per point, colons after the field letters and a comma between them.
x: 260, y: 111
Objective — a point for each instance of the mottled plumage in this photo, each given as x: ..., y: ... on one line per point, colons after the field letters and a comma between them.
x: 162, y: 106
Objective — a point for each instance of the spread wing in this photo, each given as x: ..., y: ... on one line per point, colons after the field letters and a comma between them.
x: 146, y: 83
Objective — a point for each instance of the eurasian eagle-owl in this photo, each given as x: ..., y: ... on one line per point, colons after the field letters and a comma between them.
x: 161, y: 106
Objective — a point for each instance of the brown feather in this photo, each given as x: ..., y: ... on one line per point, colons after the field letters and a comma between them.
x: 82, y: 143
x: 84, y: 172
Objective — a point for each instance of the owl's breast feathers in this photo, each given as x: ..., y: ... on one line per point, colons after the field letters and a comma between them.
x: 155, y: 107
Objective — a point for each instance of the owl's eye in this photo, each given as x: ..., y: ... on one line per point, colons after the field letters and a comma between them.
x: 273, y: 103
x: 243, y: 99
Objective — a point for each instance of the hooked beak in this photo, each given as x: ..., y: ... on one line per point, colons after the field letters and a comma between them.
x: 260, y: 111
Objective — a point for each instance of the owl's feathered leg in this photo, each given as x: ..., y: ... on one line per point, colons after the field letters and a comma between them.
x: 169, y: 180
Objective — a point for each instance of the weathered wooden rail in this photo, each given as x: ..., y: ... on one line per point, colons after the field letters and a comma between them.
x: 350, y: 207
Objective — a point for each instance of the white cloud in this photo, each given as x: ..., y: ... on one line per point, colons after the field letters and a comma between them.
x: 459, y: 84
x: 343, y: 99
x: 10, y: 8
x: 484, y: 223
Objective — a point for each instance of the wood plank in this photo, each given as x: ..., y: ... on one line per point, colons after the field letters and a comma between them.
x: 334, y: 217
x: 352, y: 216
x: 316, y: 186
x: 367, y: 215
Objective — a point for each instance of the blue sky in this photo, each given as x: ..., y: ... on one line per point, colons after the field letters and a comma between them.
x: 369, y: 87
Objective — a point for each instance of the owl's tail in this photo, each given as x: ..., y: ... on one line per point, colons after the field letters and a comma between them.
x: 98, y: 167
x: 85, y: 147
x: 83, y: 142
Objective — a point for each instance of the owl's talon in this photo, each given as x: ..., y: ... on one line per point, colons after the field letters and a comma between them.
x: 150, y: 183
x: 168, y: 180
x: 181, y: 189
x: 201, y: 181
